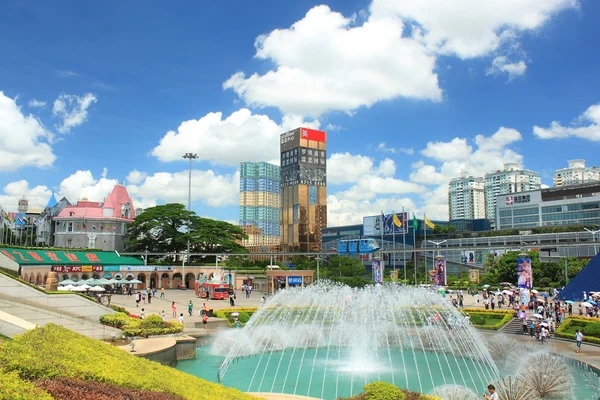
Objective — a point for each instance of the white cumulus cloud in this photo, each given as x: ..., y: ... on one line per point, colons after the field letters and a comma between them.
x: 72, y: 110
x: 468, y: 28
x: 501, y: 65
x: 586, y: 127
x: 23, y: 138
x: 326, y: 62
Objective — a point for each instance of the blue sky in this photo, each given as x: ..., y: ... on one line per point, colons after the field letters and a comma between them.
x: 410, y: 93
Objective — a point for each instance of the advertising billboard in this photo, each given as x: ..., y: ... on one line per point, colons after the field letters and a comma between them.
x: 438, y: 275
x: 372, y: 226
x: 289, y: 140
x: 467, y: 257
x: 313, y: 134
x: 377, y: 271
x: 524, y: 273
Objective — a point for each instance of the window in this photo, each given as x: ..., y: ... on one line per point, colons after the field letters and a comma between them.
x: 70, y: 227
x: 69, y: 243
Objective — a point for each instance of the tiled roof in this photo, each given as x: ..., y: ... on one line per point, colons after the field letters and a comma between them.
x: 111, y: 208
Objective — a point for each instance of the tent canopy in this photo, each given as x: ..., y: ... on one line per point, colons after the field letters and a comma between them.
x: 587, y: 280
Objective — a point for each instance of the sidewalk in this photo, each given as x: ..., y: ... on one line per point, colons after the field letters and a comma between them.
x: 181, y: 299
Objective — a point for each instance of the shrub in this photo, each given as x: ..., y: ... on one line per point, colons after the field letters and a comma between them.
x: 119, y: 309
x: 52, y: 351
x: 153, y: 325
x: 582, y: 323
x: 383, y: 391
x: 244, y: 317
x: 13, y: 387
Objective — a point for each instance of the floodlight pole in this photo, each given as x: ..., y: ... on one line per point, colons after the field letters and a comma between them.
x: 191, y: 157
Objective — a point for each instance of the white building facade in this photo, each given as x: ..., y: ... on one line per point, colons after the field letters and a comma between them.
x: 466, y: 198
x: 512, y: 179
x: 576, y: 174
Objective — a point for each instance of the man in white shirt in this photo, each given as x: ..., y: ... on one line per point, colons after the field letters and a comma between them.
x: 578, y: 339
x: 493, y: 395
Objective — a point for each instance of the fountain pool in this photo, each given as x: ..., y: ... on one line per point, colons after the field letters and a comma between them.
x: 328, y: 340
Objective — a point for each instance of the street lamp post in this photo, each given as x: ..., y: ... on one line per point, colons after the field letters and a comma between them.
x: 317, y: 258
x: 594, y: 233
x: 191, y: 157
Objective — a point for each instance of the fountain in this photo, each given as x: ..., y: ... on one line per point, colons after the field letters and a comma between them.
x: 328, y: 340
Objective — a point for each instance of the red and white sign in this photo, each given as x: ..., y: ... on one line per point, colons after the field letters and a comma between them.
x: 77, y: 268
x: 313, y: 134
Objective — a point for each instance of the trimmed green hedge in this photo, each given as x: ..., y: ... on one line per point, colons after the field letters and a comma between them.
x: 52, y: 351
x: 479, y: 317
x: 387, y: 391
x: 589, y: 326
x: 14, y: 388
x: 153, y: 325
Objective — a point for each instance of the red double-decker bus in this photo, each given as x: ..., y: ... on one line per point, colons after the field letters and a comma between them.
x: 216, y: 291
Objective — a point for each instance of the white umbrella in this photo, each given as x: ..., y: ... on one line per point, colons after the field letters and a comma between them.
x: 66, y: 282
x: 534, y: 291
x: 544, y: 324
x: 486, y: 285
x: 538, y: 315
x: 78, y: 289
x: 103, y: 282
x: 97, y: 289
x: 85, y: 287
x: 68, y: 287
x: 586, y: 304
x: 506, y: 292
x: 134, y: 281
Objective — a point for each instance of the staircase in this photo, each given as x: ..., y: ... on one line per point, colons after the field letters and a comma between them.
x: 40, y: 316
x: 514, y: 327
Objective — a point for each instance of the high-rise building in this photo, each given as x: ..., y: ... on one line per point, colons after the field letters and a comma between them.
x: 576, y: 174
x: 259, y: 206
x: 303, y: 189
x: 512, y: 179
x: 466, y: 199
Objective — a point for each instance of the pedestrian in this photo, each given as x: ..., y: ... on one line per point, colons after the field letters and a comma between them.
x: 162, y: 293
x: 142, y: 314
x: 138, y: 297
x: 190, y: 308
x: 493, y: 395
x: 149, y: 297
x: 205, y: 321
x: 162, y: 314
x: 174, y: 309
x: 578, y: 339
x: 144, y: 297
x: 543, y: 334
x: 181, y: 318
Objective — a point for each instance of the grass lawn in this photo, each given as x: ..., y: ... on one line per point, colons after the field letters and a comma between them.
x: 492, y: 321
x: 4, y: 339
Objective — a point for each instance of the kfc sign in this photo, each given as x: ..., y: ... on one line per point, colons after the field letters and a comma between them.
x: 77, y: 268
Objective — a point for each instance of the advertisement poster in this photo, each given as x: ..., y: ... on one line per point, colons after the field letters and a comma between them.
x: 372, y: 226
x: 438, y: 275
x: 468, y: 257
x: 378, y: 271
x: 524, y: 273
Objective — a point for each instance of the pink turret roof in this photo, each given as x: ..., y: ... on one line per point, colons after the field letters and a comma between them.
x: 93, y: 209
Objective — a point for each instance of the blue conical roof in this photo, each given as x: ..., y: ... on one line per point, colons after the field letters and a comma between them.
x: 52, y: 202
x: 588, y: 280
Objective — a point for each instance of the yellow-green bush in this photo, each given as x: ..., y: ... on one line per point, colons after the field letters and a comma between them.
x: 582, y: 322
x: 478, y: 319
x: 153, y: 325
x: 383, y: 391
x: 53, y: 351
x: 14, y: 388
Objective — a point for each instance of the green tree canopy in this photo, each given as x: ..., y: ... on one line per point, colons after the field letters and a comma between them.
x: 167, y: 228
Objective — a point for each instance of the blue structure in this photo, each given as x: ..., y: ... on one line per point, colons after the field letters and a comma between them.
x: 587, y: 280
x: 357, y: 246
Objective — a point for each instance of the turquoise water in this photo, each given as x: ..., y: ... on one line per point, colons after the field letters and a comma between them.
x: 346, y: 379
x: 334, y: 379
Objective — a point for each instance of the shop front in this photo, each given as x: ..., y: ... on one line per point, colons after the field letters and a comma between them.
x: 279, y: 280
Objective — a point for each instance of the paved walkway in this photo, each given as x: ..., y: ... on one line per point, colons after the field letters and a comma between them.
x: 181, y: 299
x: 150, y: 346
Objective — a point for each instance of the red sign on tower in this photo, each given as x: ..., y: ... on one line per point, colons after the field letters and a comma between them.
x: 313, y: 134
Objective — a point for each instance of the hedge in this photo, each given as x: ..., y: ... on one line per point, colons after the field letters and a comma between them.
x: 153, y: 325
x: 52, y: 351
x: 13, y: 387
x: 387, y: 391
x: 225, y: 313
x: 581, y: 321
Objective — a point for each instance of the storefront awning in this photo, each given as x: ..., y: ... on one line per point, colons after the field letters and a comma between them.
x: 53, y: 257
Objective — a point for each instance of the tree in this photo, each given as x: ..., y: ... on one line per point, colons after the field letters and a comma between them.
x: 160, y: 229
x: 213, y: 236
x: 164, y: 229
x: 337, y: 265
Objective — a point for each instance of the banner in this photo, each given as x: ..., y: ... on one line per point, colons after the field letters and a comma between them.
x: 372, y: 226
x: 438, y: 275
x: 468, y: 257
x: 313, y: 134
x: 377, y: 271
x: 77, y: 268
x: 524, y: 273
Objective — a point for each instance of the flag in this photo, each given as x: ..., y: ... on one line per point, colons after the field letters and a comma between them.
x: 397, y: 221
x: 382, y: 223
x: 77, y: 226
x: 428, y: 222
x: 415, y: 223
x: 101, y: 227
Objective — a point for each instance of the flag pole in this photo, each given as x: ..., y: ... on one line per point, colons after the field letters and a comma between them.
x: 414, y: 248
x: 394, y: 239
x: 404, y: 242
x: 425, y: 241
x: 381, y: 228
